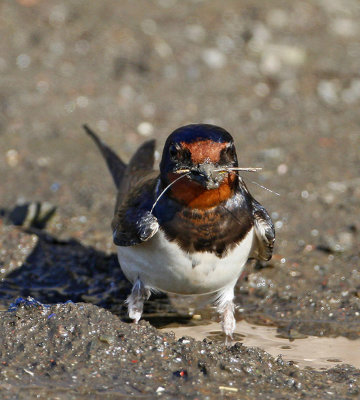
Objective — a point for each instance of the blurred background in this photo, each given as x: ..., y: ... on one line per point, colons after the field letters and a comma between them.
x: 282, y: 77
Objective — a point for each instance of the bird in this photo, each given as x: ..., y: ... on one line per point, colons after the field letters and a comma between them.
x: 191, y: 227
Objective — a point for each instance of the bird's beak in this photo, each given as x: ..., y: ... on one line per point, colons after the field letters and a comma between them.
x: 207, y: 175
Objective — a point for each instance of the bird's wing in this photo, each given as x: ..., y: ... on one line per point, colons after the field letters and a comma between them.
x: 133, y: 222
x: 140, y: 165
x: 264, y: 233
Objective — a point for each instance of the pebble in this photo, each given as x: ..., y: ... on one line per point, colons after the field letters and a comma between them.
x: 102, y: 125
x: 43, y: 161
x: 58, y: 15
x: 278, y: 224
x: 163, y: 49
x: 340, y: 242
x: 304, y: 194
x: 260, y: 37
x: 276, y: 56
x: 345, y: 27
x: 23, y: 61
x: 270, y: 64
x: 12, y: 157
x: 282, y: 169
x: 214, y: 58
x: 337, y: 186
x: 82, y: 101
x: 195, y: 33
x: 145, y: 128
x: 327, y: 91
x: 149, y: 26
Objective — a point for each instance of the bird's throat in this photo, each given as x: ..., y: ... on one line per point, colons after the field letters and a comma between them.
x: 194, y: 195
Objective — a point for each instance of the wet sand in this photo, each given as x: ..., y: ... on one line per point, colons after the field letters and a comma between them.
x: 283, y: 78
x: 310, y: 351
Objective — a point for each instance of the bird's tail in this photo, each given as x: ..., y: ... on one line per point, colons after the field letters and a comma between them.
x: 125, y: 175
x: 116, y: 166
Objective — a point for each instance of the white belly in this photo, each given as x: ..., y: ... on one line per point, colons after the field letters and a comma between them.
x: 162, y: 265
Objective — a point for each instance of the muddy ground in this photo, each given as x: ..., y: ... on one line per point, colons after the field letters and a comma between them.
x: 283, y: 78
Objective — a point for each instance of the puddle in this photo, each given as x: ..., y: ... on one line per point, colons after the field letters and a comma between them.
x: 316, y: 352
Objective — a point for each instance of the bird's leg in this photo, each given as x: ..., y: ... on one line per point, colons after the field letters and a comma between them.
x: 226, y: 309
x: 136, y: 300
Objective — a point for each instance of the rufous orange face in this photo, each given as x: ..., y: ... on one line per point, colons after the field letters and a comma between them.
x: 204, y: 151
x: 194, y: 195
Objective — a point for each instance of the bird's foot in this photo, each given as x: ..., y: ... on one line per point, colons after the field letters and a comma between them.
x: 228, y: 321
x: 136, y: 300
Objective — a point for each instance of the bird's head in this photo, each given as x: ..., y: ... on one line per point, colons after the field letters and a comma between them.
x: 203, y: 154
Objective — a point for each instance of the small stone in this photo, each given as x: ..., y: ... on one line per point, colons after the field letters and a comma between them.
x: 163, y: 49
x: 82, y: 101
x: 58, y: 15
x: 149, y: 26
x: 275, y: 56
x: 43, y: 161
x: 102, y: 125
x: 12, y: 157
x: 340, y: 187
x: 195, y: 33
x: 345, y: 27
x: 340, y: 242
x: 160, y: 389
x: 327, y: 91
x: 305, y: 194
x: 282, y: 169
x: 260, y: 37
x: 278, y: 224
x: 346, y: 240
x: 270, y: 64
x: 214, y: 58
x: 23, y: 61
x: 145, y: 129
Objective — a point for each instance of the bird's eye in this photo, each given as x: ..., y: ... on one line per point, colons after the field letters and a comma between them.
x: 230, y: 151
x: 173, y: 151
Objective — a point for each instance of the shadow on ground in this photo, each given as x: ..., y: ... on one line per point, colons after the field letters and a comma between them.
x: 56, y: 271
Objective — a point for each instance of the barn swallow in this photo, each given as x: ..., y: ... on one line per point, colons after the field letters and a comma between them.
x: 191, y: 228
